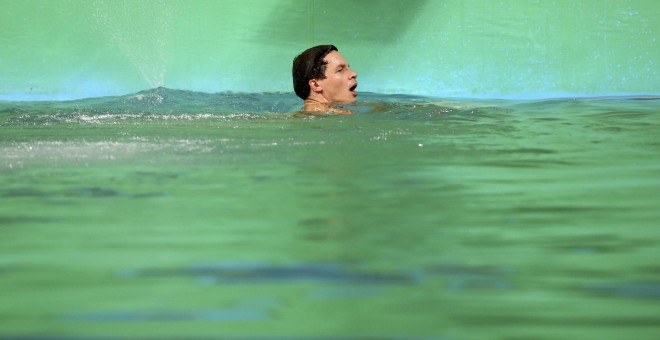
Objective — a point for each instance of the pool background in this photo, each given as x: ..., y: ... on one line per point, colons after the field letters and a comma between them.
x: 472, y: 48
x: 168, y: 213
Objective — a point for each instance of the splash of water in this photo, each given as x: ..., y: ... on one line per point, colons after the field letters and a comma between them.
x: 139, y: 29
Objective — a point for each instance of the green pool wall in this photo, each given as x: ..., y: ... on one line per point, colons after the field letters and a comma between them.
x: 473, y: 48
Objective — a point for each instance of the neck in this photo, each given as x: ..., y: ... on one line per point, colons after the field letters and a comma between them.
x: 313, y: 104
x: 321, y: 106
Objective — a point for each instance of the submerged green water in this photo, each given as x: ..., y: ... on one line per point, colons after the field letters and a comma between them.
x: 173, y: 214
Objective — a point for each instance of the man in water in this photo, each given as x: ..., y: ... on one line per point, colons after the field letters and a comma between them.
x: 322, y: 77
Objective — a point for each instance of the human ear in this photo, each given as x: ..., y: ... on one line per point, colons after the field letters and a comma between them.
x: 315, y: 86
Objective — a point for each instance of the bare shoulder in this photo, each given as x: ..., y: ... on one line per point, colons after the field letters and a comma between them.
x: 341, y: 111
x: 316, y: 113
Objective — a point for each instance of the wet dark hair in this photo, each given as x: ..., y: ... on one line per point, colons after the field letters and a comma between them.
x: 309, y: 65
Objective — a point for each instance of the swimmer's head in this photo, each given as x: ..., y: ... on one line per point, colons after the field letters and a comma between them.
x: 322, y: 75
x: 309, y: 65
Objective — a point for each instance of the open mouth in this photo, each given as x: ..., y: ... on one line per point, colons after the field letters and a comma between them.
x: 352, y: 89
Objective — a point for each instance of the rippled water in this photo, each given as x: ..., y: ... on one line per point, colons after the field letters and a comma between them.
x: 174, y: 214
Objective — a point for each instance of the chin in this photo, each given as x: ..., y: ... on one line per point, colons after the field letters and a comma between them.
x: 346, y: 99
x: 349, y: 99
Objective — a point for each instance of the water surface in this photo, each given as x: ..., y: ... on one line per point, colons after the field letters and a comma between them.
x: 175, y: 214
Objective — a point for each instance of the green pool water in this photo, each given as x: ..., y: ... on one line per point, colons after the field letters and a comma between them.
x: 173, y: 214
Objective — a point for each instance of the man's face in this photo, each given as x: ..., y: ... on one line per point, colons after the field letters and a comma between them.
x: 340, y: 81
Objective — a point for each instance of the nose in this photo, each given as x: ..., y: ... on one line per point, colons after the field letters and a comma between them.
x: 353, y: 74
